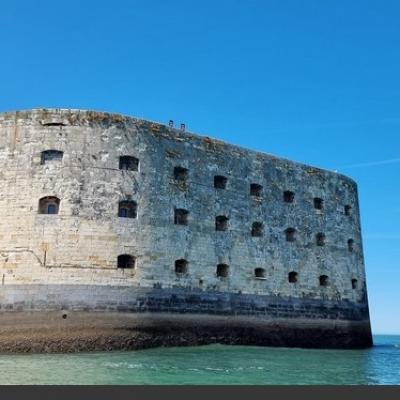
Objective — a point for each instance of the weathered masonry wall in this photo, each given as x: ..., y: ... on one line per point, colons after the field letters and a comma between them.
x: 193, y: 213
x: 81, y: 244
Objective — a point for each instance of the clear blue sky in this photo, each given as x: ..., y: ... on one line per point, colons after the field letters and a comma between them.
x: 314, y: 81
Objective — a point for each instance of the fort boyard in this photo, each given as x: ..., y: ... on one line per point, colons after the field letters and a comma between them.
x: 121, y: 233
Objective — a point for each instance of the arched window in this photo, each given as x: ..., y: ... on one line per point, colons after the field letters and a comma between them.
x: 126, y: 261
x: 255, y: 190
x: 180, y: 174
x: 221, y: 223
x: 290, y: 234
x: 220, y: 182
x: 128, y: 163
x: 293, y: 277
x: 318, y: 203
x: 320, y: 239
x: 49, y: 205
x: 259, y: 273
x: 323, y: 280
x: 181, y: 267
x: 354, y: 284
x: 181, y: 216
x: 288, y: 196
x: 127, y: 209
x: 350, y: 245
x: 51, y: 155
x: 257, y: 229
x: 222, y: 270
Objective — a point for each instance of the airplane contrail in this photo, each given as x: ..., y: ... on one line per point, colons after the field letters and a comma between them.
x: 381, y: 236
x: 371, y: 164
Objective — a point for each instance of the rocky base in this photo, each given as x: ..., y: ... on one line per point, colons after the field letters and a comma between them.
x: 45, y: 332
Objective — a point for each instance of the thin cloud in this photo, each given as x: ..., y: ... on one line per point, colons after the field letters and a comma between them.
x: 385, y: 236
x: 371, y: 164
x: 334, y: 125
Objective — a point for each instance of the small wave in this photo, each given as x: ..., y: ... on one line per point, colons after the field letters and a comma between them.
x: 113, y: 365
x: 133, y: 366
x: 122, y: 365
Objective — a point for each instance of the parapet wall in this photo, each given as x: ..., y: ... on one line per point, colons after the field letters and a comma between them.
x: 314, y: 234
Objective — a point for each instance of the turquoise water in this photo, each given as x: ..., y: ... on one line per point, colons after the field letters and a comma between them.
x: 214, y: 364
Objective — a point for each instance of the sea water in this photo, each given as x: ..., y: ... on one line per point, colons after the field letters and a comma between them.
x: 212, y: 364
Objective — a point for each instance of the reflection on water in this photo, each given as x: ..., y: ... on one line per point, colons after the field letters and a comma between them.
x: 214, y: 364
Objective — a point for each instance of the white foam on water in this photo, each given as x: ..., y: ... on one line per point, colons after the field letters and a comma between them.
x: 122, y: 365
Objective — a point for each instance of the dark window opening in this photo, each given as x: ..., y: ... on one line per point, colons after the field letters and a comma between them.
x: 222, y: 270
x: 320, y: 239
x: 293, y: 277
x: 257, y: 229
x: 181, y: 216
x: 128, y: 163
x: 51, y: 155
x: 347, y: 210
x: 180, y: 174
x: 126, y: 261
x: 288, y: 197
x: 49, y: 205
x: 127, y: 209
x: 354, y: 283
x: 323, y: 280
x: 318, y: 203
x: 350, y: 244
x: 259, y: 273
x: 53, y: 123
x: 255, y: 190
x: 290, y: 234
x: 181, y: 267
x: 220, y: 182
x: 221, y: 223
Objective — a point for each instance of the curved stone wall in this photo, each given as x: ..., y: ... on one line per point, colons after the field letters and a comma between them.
x: 258, y: 235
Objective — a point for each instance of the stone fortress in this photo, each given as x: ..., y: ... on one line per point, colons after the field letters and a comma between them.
x: 122, y: 233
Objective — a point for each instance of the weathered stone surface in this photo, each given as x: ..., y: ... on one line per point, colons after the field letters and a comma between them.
x: 68, y: 261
